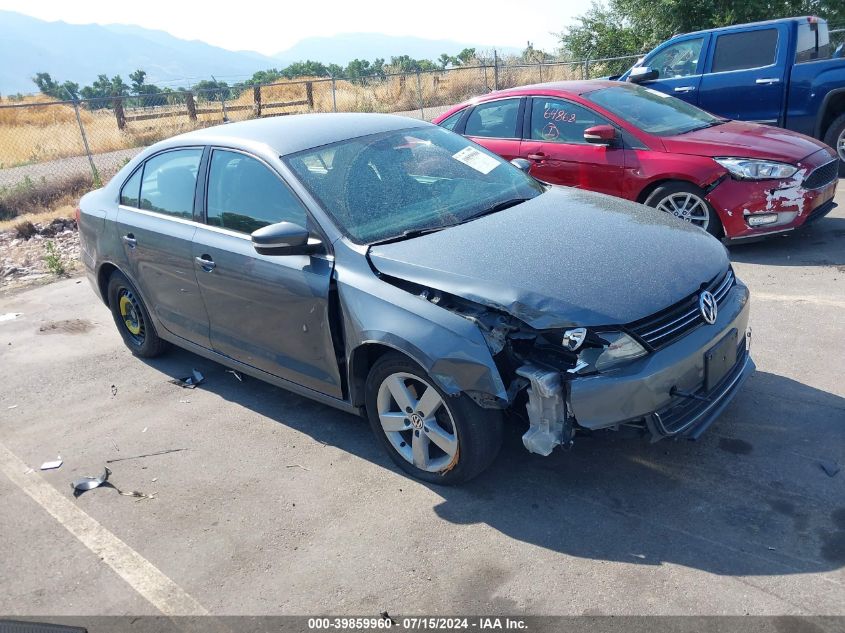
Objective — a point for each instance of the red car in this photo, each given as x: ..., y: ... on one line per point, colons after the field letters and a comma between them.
x: 733, y: 179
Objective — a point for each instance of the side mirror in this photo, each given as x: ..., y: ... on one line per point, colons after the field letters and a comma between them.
x: 284, y: 238
x: 643, y: 73
x: 600, y: 135
x: 521, y: 164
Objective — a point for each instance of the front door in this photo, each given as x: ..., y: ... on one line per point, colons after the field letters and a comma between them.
x: 155, y: 221
x: 269, y: 312
x: 679, y: 64
x: 560, y: 155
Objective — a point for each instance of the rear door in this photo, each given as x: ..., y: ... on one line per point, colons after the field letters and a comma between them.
x: 679, y: 64
x: 495, y: 125
x: 156, y: 224
x: 555, y: 145
x: 745, y: 75
x: 270, y: 312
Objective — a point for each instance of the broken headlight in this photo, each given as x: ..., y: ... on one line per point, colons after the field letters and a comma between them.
x: 618, y: 350
x: 752, y: 169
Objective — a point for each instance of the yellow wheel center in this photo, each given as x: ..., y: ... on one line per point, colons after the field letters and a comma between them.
x: 127, y: 311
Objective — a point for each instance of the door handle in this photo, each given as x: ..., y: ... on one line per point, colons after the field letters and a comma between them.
x: 205, y: 262
x: 767, y: 81
x: 538, y: 156
x: 685, y: 89
x: 130, y: 240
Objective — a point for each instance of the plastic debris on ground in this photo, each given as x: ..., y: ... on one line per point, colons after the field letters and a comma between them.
x: 190, y: 382
x: 84, y: 484
x: 10, y: 316
x: 53, y: 464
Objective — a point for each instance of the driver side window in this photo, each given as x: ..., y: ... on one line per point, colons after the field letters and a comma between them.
x: 677, y: 60
x: 244, y: 195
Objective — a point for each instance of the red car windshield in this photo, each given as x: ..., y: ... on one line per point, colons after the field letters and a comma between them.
x: 651, y: 111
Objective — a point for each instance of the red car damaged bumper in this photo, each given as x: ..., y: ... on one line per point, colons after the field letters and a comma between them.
x: 752, y: 208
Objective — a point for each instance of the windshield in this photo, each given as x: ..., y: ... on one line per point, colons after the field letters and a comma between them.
x: 652, y: 111
x: 392, y: 184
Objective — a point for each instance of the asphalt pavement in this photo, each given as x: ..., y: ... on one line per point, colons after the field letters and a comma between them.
x: 268, y: 503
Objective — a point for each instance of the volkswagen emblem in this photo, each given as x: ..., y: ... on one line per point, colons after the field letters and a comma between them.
x: 708, y: 307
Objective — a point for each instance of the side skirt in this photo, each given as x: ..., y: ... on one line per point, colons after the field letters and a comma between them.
x: 217, y: 357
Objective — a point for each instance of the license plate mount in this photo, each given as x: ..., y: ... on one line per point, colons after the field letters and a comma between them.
x: 719, y: 360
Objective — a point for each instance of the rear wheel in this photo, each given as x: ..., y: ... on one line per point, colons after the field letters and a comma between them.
x: 686, y: 201
x: 132, y: 319
x: 428, y: 434
x: 835, y: 137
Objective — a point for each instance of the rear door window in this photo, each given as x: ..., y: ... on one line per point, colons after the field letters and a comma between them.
x: 245, y: 195
x: 451, y: 121
x: 813, y: 43
x: 169, y: 182
x: 495, y: 119
x: 131, y: 188
x: 748, y: 49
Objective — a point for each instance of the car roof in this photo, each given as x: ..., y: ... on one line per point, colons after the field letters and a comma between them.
x: 294, y: 133
x: 576, y: 87
x: 800, y: 19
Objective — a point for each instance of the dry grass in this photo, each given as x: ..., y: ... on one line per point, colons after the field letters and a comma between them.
x: 37, y: 134
x: 36, y: 197
x: 41, y: 217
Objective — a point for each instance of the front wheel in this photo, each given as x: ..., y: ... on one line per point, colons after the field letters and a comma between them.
x: 686, y: 201
x: 432, y: 436
x: 835, y: 137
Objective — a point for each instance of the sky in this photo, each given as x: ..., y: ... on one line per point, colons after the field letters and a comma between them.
x: 275, y: 26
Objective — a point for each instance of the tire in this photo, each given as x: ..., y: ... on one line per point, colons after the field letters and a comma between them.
x: 466, y: 440
x: 696, y: 211
x: 132, y: 318
x: 835, y: 137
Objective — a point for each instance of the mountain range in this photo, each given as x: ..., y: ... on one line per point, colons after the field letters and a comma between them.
x: 81, y: 52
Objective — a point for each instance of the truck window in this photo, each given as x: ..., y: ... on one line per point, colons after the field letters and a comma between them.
x: 749, y: 49
x: 813, y: 43
x: 677, y: 60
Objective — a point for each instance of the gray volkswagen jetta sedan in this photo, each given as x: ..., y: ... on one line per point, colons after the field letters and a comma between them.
x: 391, y: 268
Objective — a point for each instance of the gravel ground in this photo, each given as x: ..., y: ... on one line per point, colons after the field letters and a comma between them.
x: 23, y: 259
x: 278, y: 505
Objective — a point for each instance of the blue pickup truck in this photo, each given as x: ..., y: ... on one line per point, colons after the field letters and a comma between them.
x: 780, y: 72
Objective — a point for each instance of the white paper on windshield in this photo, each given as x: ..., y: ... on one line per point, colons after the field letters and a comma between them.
x: 479, y: 161
x: 658, y: 93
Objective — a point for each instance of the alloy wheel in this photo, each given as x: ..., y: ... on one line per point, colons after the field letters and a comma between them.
x: 417, y: 422
x: 840, y: 145
x: 688, y: 207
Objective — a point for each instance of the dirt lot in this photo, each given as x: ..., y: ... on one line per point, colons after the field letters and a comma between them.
x: 278, y: 505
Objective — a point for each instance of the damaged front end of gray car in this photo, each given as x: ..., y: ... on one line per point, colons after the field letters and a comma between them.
x: 667, y: 375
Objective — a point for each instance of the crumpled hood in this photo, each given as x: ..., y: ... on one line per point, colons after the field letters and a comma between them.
x: 744, y: 140
x: 567, y: 257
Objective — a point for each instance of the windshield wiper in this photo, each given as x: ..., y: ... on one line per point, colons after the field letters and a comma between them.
x: 411, y: 233
x: 705, y: 126
x: 499, y: 206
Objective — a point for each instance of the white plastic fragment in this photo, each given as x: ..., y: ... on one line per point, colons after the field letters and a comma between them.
x: 51, y: 465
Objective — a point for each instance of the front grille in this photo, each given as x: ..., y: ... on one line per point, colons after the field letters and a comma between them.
x: 682, y: 413
x: 670, y: 324
x: 822, y: 176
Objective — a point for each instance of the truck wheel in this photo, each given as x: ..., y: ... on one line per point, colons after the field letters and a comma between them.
x: 438, y: 438
x: 132, y: 319
x: 835, y: 137
x: 686, y: 201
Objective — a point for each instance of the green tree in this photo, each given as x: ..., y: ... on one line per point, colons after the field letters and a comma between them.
x: 466, y: 56
x: 444, y: 60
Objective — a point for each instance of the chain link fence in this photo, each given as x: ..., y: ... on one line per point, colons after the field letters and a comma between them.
x: 51, y: 149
